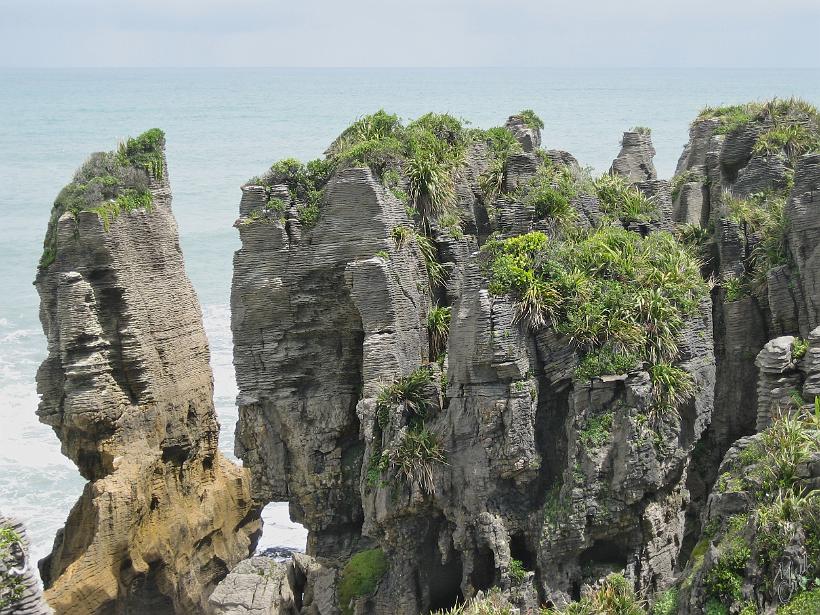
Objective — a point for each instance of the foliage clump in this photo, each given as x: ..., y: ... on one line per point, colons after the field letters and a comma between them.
x: 108, y: 184
x: 550, y: 193
x: 783, y: 519
x: 360, y: 577
x: 597, y: 431
x: 792, y: 126
x: 620, y: 200
x: 610, y: 290
x: 531, y: 119
x: 762, y: 219
x: 11, y: 585
x: 612, y: 596
x: 418, y: 448
x: 438, y: 328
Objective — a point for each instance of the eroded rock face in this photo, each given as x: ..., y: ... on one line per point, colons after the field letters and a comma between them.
x: 20, y: 590
x: 324, y: 319
x: 634, y: 162
x: 128, y: 389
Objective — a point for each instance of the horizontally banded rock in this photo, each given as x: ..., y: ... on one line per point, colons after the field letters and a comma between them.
x: 722, y: 169
x: 20, y: 590
x: 634, y: 161
x: 761, y: 536
x: 128, y: 389
x: 328, y: 316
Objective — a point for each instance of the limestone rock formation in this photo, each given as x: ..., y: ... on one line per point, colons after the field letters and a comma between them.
x: 634, y: 161
x: 458, y: 463
x: 20, y: 591
x: 127, y: 388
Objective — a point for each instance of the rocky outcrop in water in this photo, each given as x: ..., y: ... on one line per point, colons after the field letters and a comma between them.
x: 634, y: 161
x: 529, y: 478
x: 474, y: 371
x: 127, y: 388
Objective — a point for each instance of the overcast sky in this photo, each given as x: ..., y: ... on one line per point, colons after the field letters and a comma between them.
x: 725, y: 33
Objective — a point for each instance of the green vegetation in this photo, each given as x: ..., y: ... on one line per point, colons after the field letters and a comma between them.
x: 419, y: 449
x: 413, y: 459
x: 360, y: 577
x: 803, y: 603
x: 612, y: 596
x: 736, y: 288
x: 144, y: 151
x: 605, y: 361
x: 531, y: 119
x: 517, y: 571
x: 793, y: 140
x: 799, y: 348
x: 305, y: 182
x: 641, y: 130
x: 435, y: 270
x: 502, y: 143
x: 550, y: 193
x: 696, y: 238
x: 598, y: 430
x: 680, y: 179
x: 671, y: 386
x: 108, y: 184
x: 401, y: 235
x: 619, y: 200
x: 407, y: 391
x: 667, y: 603
x: 11, y: 586
x: 761, y: 216
x: 793, y: 125
x: 783, y: 508
x: 438, y: 327
x: 610, y: 290
x: 491, y: 604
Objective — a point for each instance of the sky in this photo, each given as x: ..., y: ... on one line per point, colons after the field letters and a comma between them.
x: 364, y: 33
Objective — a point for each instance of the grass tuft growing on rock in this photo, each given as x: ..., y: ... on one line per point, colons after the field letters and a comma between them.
x: 622, y: 201
x: 360, y: 577
x: 438, y: 328
x: 407, y: 391
x: 531, y: 119
x: 108, y: 184
x: 604, y: 288
x: 550, y: 193
x: 11, y: 586
x: 611, y: 596
x: 415, y: 456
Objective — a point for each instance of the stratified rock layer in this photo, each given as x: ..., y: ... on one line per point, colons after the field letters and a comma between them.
x: 20, y: 590
x: 127, y: 388
x: 325, y: 318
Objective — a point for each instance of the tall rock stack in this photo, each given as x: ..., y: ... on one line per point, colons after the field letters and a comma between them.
x: 634, y: 161
x: 128, y: 389
x: 328, y: 320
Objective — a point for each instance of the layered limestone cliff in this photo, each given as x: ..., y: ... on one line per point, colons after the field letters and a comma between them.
x: 20, y: 590
x: 127, y: 388
x: 501, y: 450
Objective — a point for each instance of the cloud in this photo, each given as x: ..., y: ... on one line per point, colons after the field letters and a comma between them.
x: 420, y: 33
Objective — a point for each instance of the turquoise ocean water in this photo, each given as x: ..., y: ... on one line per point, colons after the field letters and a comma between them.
x: 226, y: 125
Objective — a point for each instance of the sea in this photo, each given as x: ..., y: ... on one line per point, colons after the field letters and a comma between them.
x: 224, y: 126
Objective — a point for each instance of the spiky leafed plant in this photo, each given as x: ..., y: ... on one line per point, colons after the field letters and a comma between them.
x: 435, y: 270
x: 414, y: 457
x: 438, y: 327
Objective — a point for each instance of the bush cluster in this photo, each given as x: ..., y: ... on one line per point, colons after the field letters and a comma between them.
x: 108, y: 184
x: 610, y: 290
